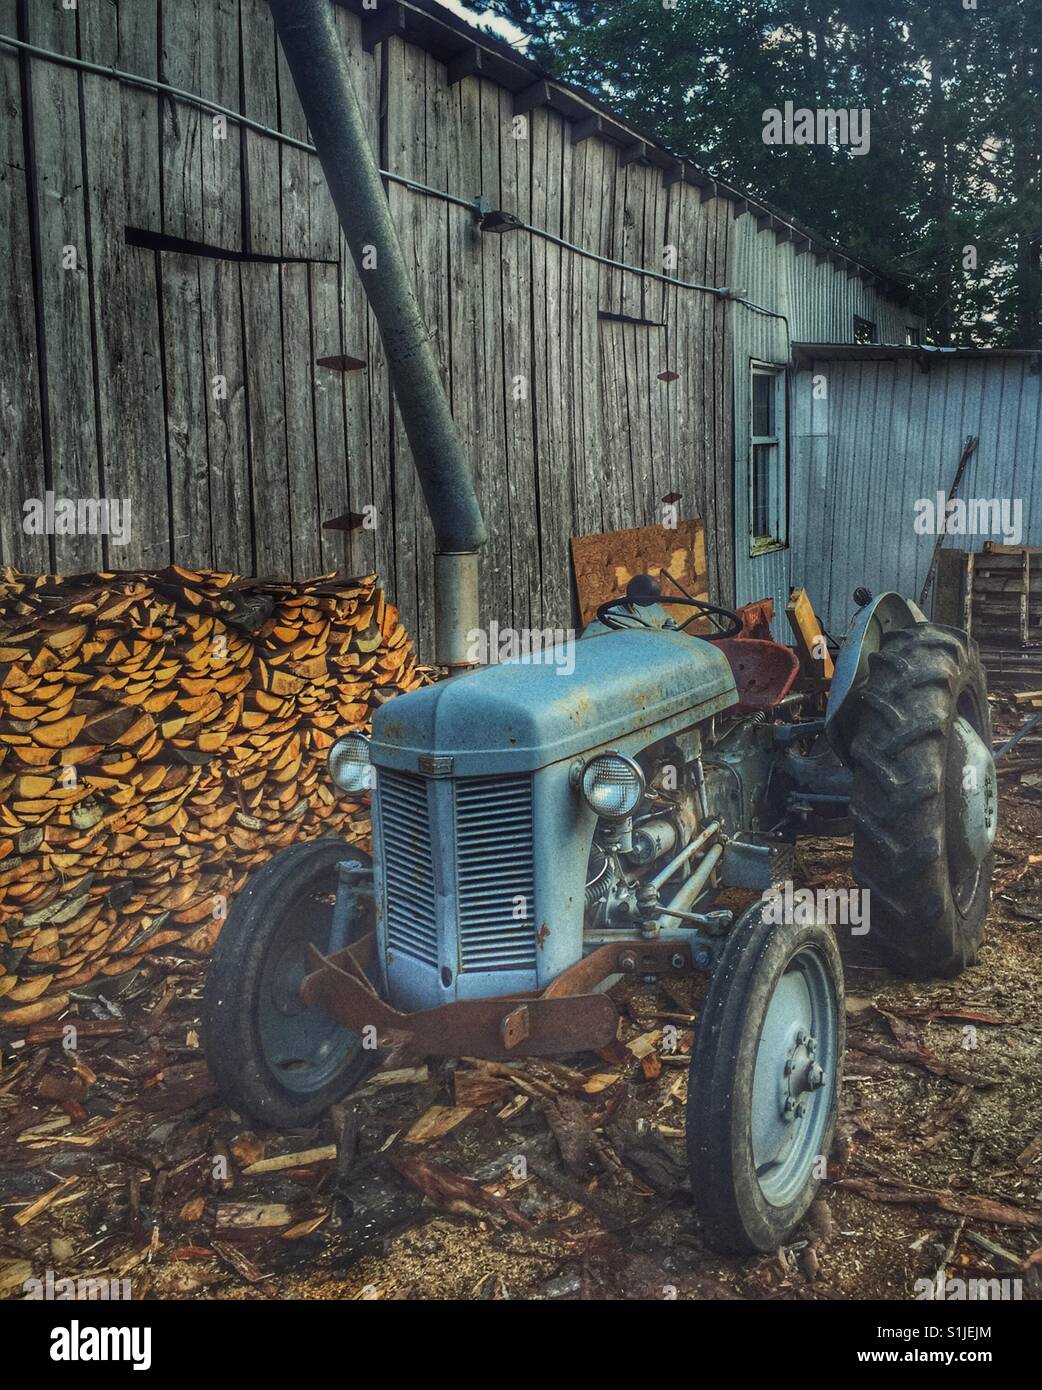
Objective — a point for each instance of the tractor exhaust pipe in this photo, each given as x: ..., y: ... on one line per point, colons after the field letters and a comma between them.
x: 310, y: 41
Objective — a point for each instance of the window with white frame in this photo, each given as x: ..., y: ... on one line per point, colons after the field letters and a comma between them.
x: 767, y: 458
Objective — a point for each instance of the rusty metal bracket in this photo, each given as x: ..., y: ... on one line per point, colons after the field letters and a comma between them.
x: 621, y: 958
x: 566, y: 1017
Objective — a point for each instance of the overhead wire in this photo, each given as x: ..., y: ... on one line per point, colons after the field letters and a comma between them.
x: 152, y: 84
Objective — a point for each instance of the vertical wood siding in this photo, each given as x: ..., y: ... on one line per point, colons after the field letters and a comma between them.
x: 190, y: 383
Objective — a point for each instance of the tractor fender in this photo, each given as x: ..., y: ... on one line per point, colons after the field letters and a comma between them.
x: 879, y: 616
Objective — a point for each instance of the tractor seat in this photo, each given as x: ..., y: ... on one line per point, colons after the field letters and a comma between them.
x: 764, y: 672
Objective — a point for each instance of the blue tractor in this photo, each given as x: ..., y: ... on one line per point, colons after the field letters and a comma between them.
x: 543, y: 827
x: 537, y: 835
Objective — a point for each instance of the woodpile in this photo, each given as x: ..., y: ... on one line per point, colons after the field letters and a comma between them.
x: 161, y: 734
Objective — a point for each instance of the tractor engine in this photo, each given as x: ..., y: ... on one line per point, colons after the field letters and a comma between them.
x: 625, y: 854
x: 715, y: 774
x: 523, y: 807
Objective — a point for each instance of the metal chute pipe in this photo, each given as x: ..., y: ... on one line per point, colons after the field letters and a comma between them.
x: 309, y: 38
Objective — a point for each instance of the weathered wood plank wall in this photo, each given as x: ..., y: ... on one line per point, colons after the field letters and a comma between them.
x: 22, y: 462
x: 189, y: 382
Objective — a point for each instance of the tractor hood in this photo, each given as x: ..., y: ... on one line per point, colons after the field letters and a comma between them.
x: 522, y: 715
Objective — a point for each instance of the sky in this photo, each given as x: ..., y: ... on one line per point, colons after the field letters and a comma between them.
x: 496, y: 23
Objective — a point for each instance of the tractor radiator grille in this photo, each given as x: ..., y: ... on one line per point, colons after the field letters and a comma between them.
x: 495, y: 868
x: 408, y: 868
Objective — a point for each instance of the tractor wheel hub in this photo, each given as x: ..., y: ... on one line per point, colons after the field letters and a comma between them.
x: 972, y: 797
x: 801, y: 1074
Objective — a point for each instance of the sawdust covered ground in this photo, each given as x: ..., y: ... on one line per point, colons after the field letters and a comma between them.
x: 539, y: 1180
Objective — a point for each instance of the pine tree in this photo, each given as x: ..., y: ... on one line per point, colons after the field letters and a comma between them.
x: 950, y: 190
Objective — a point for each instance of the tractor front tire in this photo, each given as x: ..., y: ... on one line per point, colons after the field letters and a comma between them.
x: 923, y: 828
x: 765, y: 1079
x: 275, y: 1059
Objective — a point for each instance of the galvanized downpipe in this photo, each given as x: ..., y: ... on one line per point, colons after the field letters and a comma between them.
x: 310, y: 41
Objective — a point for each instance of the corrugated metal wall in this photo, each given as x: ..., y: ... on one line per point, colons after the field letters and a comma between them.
x: 887, y: 434
x: 819, y: 301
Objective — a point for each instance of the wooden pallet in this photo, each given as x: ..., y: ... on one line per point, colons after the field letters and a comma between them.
x: 996, y: 595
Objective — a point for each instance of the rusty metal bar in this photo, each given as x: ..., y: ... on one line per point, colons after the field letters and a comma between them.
x: 566, y: 1017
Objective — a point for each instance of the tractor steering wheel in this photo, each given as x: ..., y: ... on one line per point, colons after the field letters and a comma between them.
x: 642, y: 591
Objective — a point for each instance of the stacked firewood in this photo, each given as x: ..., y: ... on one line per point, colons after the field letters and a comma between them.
x: 161, y: 734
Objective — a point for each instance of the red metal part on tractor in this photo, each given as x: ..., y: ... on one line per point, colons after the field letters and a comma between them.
x: 764, y: 672
x: 757, y: 618
x: 565, y: 1017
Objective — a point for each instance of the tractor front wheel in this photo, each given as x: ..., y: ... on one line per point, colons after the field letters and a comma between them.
x: 273, y: 1057
x: 764, y: 1082
x: 924, y: 801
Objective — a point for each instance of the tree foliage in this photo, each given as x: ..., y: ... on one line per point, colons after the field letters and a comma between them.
x: 950, y: 192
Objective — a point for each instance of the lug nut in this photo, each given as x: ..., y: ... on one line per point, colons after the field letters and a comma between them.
x: 677, y: 962
x: 815, y: 1077
x: 801, y: 1110
x: 628, y: 962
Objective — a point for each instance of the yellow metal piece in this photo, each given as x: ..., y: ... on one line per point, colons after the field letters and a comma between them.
x: 811, y: 648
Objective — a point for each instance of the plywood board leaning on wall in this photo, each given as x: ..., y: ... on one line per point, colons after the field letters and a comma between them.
x: 604, y: 564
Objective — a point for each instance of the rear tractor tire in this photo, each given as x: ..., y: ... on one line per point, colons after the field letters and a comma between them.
x: 925, y: 801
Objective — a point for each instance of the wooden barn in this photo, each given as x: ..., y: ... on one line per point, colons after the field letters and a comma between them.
x: 309, y: 991
x: 186, y: 332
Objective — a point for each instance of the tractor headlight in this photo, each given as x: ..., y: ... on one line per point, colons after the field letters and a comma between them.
x: 612, y: 785
x: 349, y: 764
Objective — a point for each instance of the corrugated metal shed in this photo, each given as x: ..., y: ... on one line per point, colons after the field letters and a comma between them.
x: 888, y: 431
x: 814, y: 302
